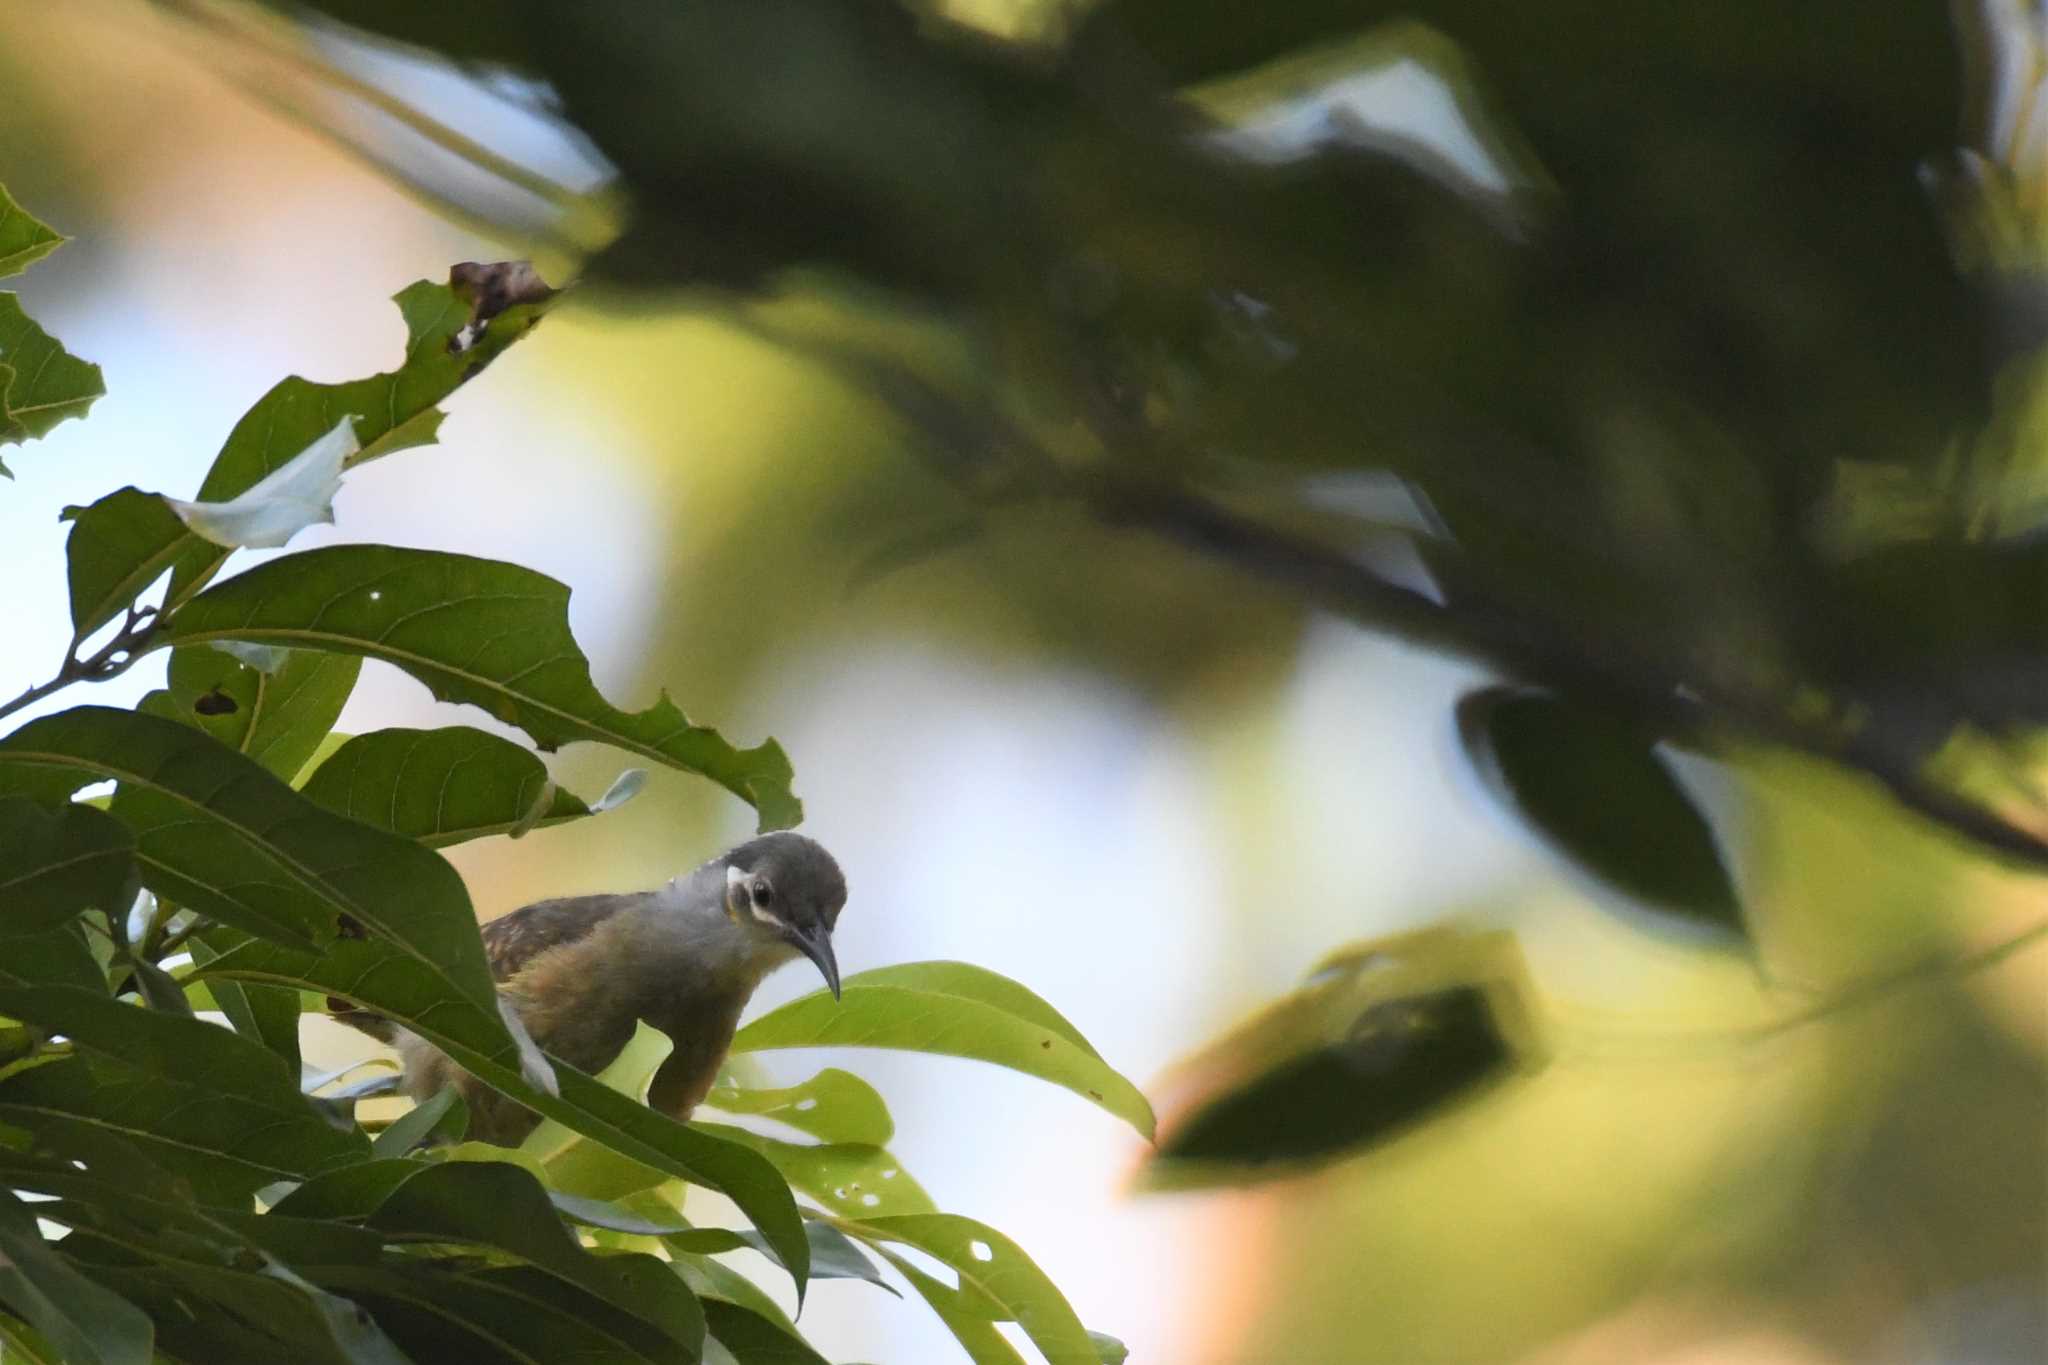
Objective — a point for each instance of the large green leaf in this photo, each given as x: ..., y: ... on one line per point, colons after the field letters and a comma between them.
x: 47, y: 383
x: 441, y: 786
x: 88, y: 1324
x: 972, y: 1328
x: 277, y: 717
x: 119, y: 546
x: 55, y: 863
x: 754, y: 1338
x: 495, y: 1204
x: 392, y: 411
x: 218, y: 834
x: 24, y: 239
x: 268, y: 1015
x: 957, y: 1010
x: 473, y: 630
x: 994, y: 1269
x: 833, y: 1106
x: 578, y: 1164
x: 204, y: 1100
x: 1595, y: 788
x: 1383, y: 1036
x: 378, y: 977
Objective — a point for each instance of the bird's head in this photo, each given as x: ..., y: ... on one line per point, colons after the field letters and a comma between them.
x: 788, y: 890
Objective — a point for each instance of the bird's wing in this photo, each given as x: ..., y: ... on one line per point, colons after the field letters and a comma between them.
x: 511, y: 941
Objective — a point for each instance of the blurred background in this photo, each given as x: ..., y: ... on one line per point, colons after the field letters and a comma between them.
x: 1152, y: 789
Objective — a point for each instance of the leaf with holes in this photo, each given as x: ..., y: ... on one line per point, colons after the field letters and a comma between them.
x: 957, y: 1010
x: 278, y: 718
x: 441, y: 786
x: 491, y: 634
x: 852, y: 1178
x: 833, y: 1106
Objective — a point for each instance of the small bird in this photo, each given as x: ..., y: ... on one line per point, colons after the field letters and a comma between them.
x: 686, y: 957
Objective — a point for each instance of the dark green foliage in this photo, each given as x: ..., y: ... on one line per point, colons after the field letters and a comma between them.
x: 1595, y: 787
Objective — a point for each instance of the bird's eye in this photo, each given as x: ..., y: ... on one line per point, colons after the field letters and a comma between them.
x: 764, y: 895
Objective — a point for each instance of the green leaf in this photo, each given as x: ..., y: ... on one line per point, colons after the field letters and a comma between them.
x: 503, y: 1313
x: 443, y: 1114
x: 87, y: 1324
x: 712, y: 1280
x: 117, y: 548
x: 473, y: 630
x: 833, y: 1255
x: 277, y: 718
x: 1383, y: 1036
x: 847, y: 1177
x: 224, y: 1111
x: 956, y: 1010
x: 754, y: 1339
x: 218, y: 834
x: 54, y: 957
x: 392, y: 411
x: 268, y: 1015
x: 48, y: 383
x: 441, y: 786
x: 993, y: 1267
x: 378, y: 977
x: 1594, y: 787
x: 580, y: 1165
x: 55, y: 863
x: 23, y: 239
x: 970, y: 1327
x: 834, y: 1105
x: 497, y: 1205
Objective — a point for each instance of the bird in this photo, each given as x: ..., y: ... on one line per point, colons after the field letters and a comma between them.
x: 578, y: 973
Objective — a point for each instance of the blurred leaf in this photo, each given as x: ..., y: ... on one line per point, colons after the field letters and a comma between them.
x: 87, y: 1324
x: 995, y: 1268
x: 1594, y: 787
x: 391, y: 411
x: 847, y: 1177
x: 297, y: 494
x: 41, y: 383
x: 473, y: 630
x: 441, y: 1115
x: 23, y: 239
x: 377, y: 977
x: 57, y: 956
x: 754, y: 1338
x: 218, y: 834
x: 278, y: 718
x: 440, y: 786
x: 118, y: 546
x: 1384, y: 1035
x: 956, y: 1010
x: 54, y: 864
x: 834, y: 1105
x: 1112, y: 1351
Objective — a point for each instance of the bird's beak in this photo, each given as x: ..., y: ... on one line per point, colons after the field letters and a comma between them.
x: 817, y: 946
